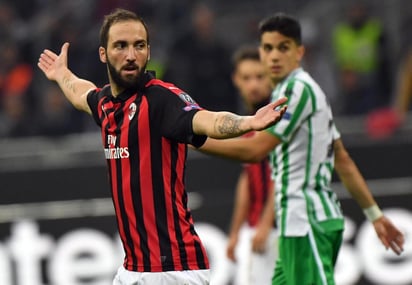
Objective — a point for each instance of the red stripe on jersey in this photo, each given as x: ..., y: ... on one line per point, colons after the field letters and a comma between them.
x: 146, y: 183
x: 107, y: 126
x: 167, y: 179
x: 126, y: 187
x: 260, y: 183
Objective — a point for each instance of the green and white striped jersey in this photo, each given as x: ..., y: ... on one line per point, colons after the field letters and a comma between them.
x: 303, y: 163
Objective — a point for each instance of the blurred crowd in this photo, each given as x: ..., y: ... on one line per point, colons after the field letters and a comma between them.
x: 355, y: 63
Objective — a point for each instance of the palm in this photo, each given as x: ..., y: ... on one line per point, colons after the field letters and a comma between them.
x: 269, y: 114
x: 51, y: 64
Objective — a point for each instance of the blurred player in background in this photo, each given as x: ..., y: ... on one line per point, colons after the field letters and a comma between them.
x: 252, y: 236
x: 305, y: 147
x: 146, y: 125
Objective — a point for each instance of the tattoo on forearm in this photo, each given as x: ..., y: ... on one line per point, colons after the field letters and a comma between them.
x: 68, y: 83
x: 229, y: 124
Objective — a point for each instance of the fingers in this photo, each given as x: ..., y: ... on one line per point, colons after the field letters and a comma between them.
x: 47, y: 57
x: 397, y: 248
x: 258, y: 248
x: 281, y: 100
x: 397, y: 244
x: 277, y: 105
x: 49, y: 54
x: 394, y: 241
x: 231, y: 255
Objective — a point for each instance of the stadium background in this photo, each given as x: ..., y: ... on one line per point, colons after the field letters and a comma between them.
x: 56, y: 219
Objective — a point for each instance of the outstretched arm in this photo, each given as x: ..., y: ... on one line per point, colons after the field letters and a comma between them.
x: 223, y: 125
x: 55, y: 68
x: 253, y: 148
x: 390, y: 236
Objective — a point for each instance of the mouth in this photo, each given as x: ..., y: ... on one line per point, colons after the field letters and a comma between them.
x: 130, y: 69
x: 275, y: 68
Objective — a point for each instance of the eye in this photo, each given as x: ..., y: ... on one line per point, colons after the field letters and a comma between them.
x: 140, y: 45
x: 119, y: 45
x: 267, y: 48
x: 284, y: 48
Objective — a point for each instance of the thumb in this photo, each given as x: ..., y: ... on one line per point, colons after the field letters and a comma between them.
x: 65, y: 49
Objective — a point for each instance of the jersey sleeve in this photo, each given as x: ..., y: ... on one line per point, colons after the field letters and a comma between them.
x: 93, y: 99
x: 335, y: 132
x: 301, y: 105
x: 177, y: 117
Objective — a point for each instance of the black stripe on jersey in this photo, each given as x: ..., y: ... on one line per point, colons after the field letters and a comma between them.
x: 160, y: 205
x: 174, y: 152
x: 199, y: 253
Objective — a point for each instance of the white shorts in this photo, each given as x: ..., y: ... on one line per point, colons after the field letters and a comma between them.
x: 254, y: 268
x: 186, y: 277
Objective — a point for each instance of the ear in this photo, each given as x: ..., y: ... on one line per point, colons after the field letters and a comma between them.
x: 102, y: 54
x: 148, y: 52
x: 301, y: 52
x: 235, y: 79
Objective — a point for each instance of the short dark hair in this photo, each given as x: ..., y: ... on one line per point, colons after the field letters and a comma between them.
x: 285, y: 24
x: 118, y: 15
x: 245, y: 53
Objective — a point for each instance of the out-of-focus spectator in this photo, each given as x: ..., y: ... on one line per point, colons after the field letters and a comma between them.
x: 200, y: 63
x: 361, y: 55
x: 384, y: 122
x: 403, y: 93
x: 15, y: 83
x: 318, y: 63
x: 56, y: 116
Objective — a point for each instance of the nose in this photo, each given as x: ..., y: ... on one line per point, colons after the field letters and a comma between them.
x: 131, y: 54
x: 274, y: 55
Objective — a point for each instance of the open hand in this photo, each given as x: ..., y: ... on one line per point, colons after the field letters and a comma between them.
x: 52, y: 64
x: 269, y: 115
x: 389, y: 235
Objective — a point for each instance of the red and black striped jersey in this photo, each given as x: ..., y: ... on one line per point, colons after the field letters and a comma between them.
x: 144, y: 136
x: 260, y: 183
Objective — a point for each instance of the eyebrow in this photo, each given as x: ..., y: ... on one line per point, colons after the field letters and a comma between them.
x: 125, y: 41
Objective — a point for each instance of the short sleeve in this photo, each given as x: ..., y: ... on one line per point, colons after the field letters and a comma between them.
x: 178, y: 110
x: 300, y: 107
x: 93, y: 99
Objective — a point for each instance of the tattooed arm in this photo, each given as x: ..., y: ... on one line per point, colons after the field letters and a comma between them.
x: 55, y: 68
x: 222, y: 125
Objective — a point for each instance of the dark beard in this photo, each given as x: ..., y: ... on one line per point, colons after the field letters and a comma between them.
x: 124, y: 83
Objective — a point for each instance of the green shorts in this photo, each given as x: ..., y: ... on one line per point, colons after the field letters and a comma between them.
x: 308, y: 260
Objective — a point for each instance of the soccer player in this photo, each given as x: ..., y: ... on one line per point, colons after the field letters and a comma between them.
x: 305, y: 147
x: 252, y: 236
x: 146, y: 125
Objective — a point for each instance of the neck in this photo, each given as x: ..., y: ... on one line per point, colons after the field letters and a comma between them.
x: 116, y: 90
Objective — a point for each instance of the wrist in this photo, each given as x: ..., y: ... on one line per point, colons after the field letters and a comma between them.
x: 373, y: 213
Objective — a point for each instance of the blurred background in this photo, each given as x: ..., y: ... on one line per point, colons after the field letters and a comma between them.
x: 56, y: 218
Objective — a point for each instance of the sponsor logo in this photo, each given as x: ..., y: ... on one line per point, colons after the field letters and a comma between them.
x: 113, y: 151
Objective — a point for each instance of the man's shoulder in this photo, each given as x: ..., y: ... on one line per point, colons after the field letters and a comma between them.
x: 100, y: 92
